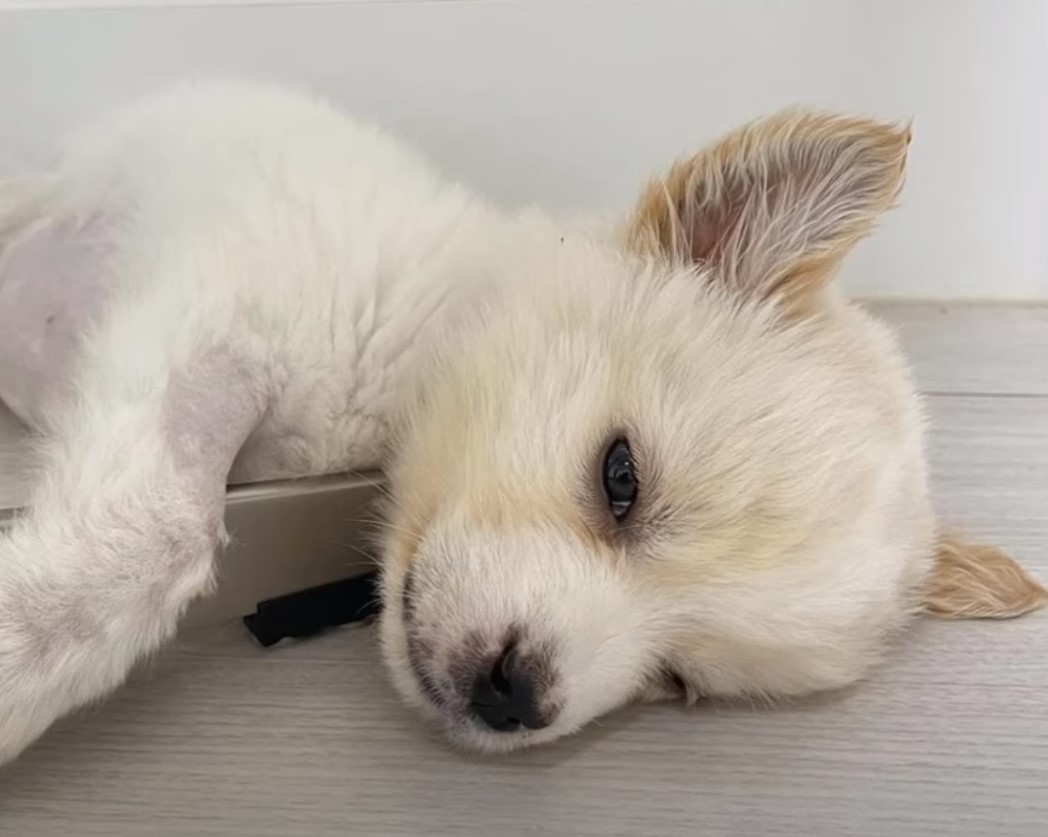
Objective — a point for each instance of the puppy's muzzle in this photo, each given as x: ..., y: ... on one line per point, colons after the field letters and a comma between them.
x: 507, y: 693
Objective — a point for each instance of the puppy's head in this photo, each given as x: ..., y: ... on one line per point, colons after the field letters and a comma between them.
x: 668, y: 465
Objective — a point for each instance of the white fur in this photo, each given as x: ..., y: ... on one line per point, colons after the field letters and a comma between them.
x: 287, y: 286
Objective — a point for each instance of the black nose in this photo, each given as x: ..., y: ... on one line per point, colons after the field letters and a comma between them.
x: 506, y: 697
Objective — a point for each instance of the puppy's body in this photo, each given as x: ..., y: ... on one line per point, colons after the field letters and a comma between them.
x: 231, y: 276
x: 249, y: 221
x: 223, y: 266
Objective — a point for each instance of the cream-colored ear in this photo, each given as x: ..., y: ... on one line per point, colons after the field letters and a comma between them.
x: 775, y: 207
x: 972, y: 581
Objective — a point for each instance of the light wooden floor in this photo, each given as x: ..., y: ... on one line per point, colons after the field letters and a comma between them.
x: 218, y: 737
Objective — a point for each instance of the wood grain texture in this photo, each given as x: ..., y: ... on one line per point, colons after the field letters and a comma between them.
x: 973, y: 348
x: 220, y: 738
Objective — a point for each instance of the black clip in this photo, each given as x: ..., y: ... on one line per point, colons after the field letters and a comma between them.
x: 311, y: 611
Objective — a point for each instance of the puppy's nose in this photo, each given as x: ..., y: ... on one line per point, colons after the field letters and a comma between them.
x: 506, y: 696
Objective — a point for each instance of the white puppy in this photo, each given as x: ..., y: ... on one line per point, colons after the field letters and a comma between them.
x: 665, y: 459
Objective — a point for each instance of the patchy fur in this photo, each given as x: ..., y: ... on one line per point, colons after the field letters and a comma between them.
x: 295, y: 291
x: 53, y: 291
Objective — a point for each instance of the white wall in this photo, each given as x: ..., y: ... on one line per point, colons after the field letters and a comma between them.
x: 571, y: 103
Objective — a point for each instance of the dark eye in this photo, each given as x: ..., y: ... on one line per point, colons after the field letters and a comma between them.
x: 620, y: 479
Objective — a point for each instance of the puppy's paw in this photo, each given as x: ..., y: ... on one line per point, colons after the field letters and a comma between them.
x: 28, y: 701
x: 21, y: 722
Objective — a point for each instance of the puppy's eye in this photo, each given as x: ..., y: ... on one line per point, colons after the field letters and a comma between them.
x: 620, y: 479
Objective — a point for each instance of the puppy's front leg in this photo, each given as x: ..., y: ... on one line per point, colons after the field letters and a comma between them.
x: 120, y: 534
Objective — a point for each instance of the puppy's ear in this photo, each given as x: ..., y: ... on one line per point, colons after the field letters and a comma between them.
x: 971, y: 581
x: 776, y: 206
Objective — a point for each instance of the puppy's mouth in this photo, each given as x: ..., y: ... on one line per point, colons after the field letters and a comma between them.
x: 491, y: 688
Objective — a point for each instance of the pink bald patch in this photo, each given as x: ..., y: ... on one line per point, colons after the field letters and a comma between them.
x: 53, y: 287
x: 211, y: 407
